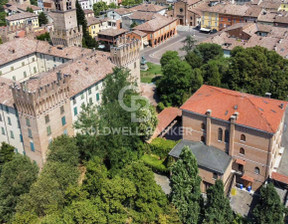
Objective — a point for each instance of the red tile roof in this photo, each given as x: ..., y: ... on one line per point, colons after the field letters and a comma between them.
x: 240, y: 161
x: 254, y: 111
x: 245, y: 177
x: 165, y: 118
x: 279, y: 177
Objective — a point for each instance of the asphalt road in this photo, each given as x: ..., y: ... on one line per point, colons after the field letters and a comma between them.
x: 174, y: 44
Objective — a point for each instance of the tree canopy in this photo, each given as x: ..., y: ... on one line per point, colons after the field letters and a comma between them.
x: 87, y: 40
x: 16, y: 178
x: 185, y: 187
x: 217, y: 209
x: 269, y: 209
x: 42, y: 19
x: 253, y: 70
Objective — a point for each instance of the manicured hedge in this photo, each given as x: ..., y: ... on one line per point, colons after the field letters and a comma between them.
x: 162, y: 147
x: 156, y: 164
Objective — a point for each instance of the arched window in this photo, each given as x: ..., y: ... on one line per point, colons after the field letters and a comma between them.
x: 242, y: 151
x: 243, y: 138
x: 203, y: 126
x: 257, y: 170
x: 220, y: 134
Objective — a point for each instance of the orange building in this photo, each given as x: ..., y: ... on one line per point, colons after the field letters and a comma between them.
x: 158, y: 30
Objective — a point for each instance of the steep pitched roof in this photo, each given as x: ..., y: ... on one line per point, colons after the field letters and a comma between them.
x: 254, y: 111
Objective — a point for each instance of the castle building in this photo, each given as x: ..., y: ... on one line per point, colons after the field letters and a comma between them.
x: 45, y: 104
x: 245, y: 127
x: 66, y: 30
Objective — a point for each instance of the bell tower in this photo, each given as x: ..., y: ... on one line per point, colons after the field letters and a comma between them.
x: 66, y: 31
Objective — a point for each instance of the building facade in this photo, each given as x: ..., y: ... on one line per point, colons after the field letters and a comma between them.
x: 248, y: 128
x: 45, y: 105
x: 158, y: 30
x: 23, y: 18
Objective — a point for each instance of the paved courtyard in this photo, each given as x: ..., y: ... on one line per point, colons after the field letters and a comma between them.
x: 163, y: 182
x: 174, y: 44
x: 243, y: 202
x: 283, y: 167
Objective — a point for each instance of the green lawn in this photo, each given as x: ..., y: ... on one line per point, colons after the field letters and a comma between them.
x: 151, y: 74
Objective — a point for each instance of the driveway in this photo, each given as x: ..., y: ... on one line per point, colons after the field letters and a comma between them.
x: 174, y: 44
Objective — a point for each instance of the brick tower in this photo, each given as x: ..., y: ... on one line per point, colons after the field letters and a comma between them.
x: 126, y: 54
x: 66, y: 31
x: 44, y: 113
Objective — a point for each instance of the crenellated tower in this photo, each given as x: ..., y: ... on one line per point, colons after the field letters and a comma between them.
x: 66, y: 31
x: 126, y: 54
x: 44, y: 113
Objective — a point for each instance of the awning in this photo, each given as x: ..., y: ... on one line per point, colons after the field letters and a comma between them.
x: 240, y: 161
x: 205, y: 30
x: 279, y: 177
x: 145, y: 43
x: 247, y: 178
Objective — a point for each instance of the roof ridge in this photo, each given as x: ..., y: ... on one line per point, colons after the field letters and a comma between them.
x: 248, y: 98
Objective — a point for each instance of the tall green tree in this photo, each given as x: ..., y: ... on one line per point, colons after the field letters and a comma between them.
x: 194, y: 60
x: 87, y: 40
x: 257, y: 70
x: 47, y: 194
x: 269, y: 209
x: 169, y: 56
x: 99, y: 7
x: 185, y: 187
x: 16, y: 178
x: 42, y: 19
x: 209, y: 51
x: 189, y: 44
x: 217, y: 209
x: 174, y: 86
x: 6, y: 153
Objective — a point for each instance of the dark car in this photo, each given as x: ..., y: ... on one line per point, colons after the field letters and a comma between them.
x: 213, y: 31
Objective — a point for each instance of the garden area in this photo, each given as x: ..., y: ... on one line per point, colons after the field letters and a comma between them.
x: 157, y: 158
x: 152, y: 74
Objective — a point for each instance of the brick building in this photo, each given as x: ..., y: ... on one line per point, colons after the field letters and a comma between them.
x: 188, y: 11
x: 66, y: 31
x: 248, y: 128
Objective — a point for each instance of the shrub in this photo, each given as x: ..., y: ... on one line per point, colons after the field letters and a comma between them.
x: 154, y: 163
x: 160, y: 106
x: 162, y: 147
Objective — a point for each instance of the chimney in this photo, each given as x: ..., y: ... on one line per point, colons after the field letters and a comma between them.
x: 59, y: 75
x: 268, y: 95
x: 236, y: 115
x: 208, y: 112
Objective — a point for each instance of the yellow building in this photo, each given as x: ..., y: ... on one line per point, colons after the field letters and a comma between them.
x: 210, y: 18
x: 23, y: 18
x: 93, y: 25
x: 284, y: 6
